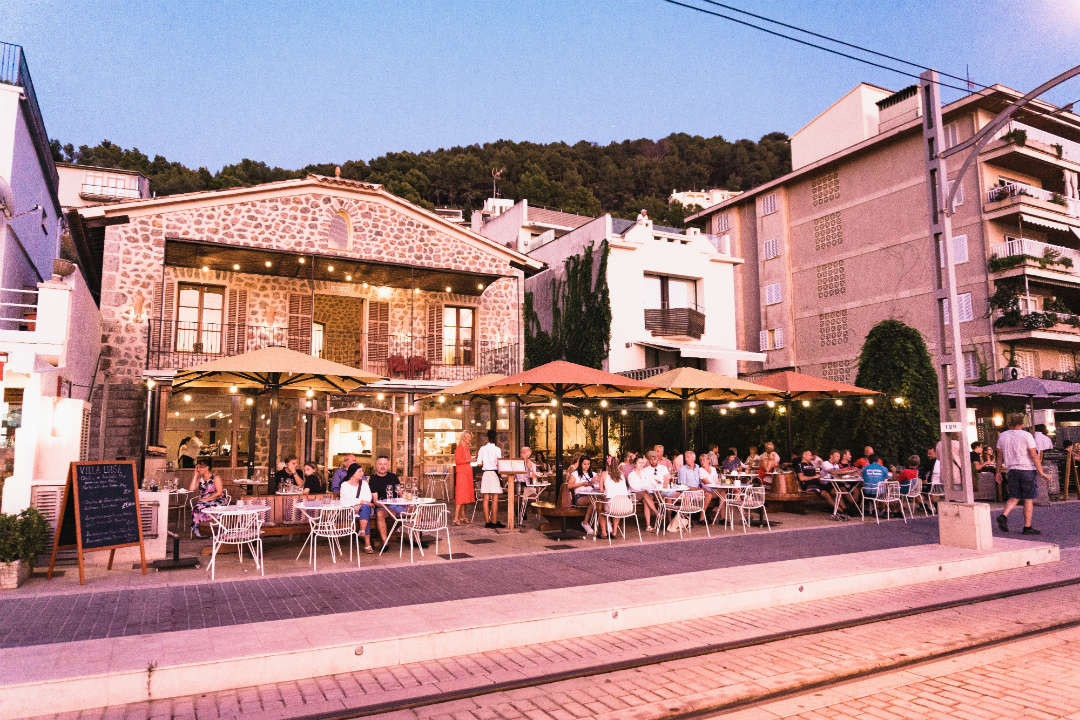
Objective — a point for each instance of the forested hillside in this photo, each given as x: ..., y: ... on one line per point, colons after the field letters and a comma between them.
x: 586, y: 178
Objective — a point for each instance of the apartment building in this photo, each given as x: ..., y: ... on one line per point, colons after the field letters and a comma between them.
x: 700, y: 198
x: 86, y: 185
x: 841, y: 242
x: 522, y: 226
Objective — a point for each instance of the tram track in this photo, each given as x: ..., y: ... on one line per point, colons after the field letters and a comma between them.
x: 419, y: 702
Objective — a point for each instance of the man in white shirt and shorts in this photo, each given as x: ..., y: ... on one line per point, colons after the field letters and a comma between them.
x: 490, y: 484
x: 1018, y: 454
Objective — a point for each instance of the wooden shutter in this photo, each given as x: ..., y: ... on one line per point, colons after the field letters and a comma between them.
x: 300, y: 312
x: 236, y: 325
x: 434, y: 332
x: 763, y: 340
x: 778, y: 338
x: 378, y: 327
x: 163, y: 317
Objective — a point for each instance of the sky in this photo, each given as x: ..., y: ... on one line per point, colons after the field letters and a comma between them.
x: 291, y: 83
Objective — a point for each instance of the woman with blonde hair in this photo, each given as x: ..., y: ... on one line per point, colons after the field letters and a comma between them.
x: 464, y: 490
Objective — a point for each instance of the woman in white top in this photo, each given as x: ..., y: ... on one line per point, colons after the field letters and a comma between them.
x: 643, y: 485
x: 583, y: 479
x: 355, y: 491
x: 614, y: 485
x: 708, y: 476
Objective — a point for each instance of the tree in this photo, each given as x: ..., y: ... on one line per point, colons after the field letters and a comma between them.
x: 894, y: 360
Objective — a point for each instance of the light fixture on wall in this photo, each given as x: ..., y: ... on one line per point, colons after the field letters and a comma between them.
x: 385, y: 292
x: 236, y: 266
x: 449, y: 289
x: 206, y: 268
x: 348, y: 278
x: 268, y: 264
x: 138, y: 308
x: 301, y: 260
x: 187, y: 398
x: 249, y: 402
x: 329, y: 268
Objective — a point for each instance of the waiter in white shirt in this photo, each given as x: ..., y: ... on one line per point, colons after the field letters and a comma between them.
x: 487, y: 457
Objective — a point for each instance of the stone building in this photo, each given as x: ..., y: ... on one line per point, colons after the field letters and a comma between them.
x: 337, y: 268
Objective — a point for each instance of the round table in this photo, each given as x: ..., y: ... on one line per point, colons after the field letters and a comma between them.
x: 250, y: 486
x: 845, y: 487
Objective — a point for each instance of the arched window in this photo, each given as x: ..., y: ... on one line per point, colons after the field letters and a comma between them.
x: 340, y: 232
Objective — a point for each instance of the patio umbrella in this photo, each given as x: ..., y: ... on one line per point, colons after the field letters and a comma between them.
x: 1053, y: 392
x: 793, y: 385
x: 558, y: 380
x: 688, y: 384
x: 467, y: 387
x: 273, y: 369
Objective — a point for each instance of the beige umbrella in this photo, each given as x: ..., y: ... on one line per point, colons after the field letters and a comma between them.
x: 273, y: 369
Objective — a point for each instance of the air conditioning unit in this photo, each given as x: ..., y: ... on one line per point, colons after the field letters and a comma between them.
x: 1011, y: 372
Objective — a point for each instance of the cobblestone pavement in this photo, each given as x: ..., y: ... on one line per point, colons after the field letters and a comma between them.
x: 696, y: 683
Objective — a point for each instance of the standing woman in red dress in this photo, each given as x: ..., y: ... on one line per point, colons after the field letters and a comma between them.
x: 464, y: 491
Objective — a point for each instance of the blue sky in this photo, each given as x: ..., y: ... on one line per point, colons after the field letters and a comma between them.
x: 208, y: 83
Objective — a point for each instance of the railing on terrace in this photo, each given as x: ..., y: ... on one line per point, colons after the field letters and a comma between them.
x: 683, y: 321
x: 1037, y: 249
x: 721, y: 242
x: 108, y: 191
x: 14, y: 71
x: 18, y: 309
x: 644, y: 373
x: 1070, y: 150
x: 1018, y: 189
x: 172, y: 345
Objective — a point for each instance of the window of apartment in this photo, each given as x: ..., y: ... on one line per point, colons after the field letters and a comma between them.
x: 1025, y: 360
x: 768, y: 204
x: 825, y: 188
x: 199, y: 314
x: 662, y: 291
x: 828, y: 231
x: 1067, y: 363
x: 833, y: 328
x: 952, y: 131
x: 960, y: 250
x: 103, y: 180
x: 963, y: 301
x: 318, y: 337
x: 774, y: 293
x: 771, y: 248
x: 971, y: 367
x: 836, y: 371
x: 340, y: 231
x: 772, y: 339
x: 723, y: 222
x: 458, y: 335
x: 959, y: 199
x: 831, y: 279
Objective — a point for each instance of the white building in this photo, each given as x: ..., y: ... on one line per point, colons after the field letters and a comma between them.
x: 50, y: 330
x: 522, y: 226
x: 701, y: 198
x: 672, y: 291
x: 86, y: 185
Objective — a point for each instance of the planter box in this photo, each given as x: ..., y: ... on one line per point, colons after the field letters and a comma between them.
x: 13, y: 574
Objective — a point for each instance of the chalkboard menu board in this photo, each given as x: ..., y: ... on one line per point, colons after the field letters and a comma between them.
x: 100, y: 510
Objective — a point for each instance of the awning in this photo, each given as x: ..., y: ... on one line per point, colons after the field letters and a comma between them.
x: 1076, y: 232
x: 1046, y: 224
x: 697, y: 350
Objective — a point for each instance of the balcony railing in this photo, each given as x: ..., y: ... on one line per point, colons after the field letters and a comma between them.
x: 681, y: 321
x: 173, y: 345
x: 644, y: 373
x: 1018, y: 189
x: 1038, y: 252
x: 1070, y: 150
x: 14, y: 71
x: 91, y: 191
x: 18, y: 309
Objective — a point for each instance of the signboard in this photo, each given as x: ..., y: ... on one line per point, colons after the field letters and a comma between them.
x: 512, y: 466
x: 100, y: 511
x: 951, y: 427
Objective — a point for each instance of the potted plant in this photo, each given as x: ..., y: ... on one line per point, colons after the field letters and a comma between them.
x: 22, y: 538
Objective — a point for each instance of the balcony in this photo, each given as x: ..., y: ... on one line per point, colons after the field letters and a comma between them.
x: 675, y: 322
x: 106, y: 193
x: 1016, y: 256
x: 173, y: 345
x: 1008, y: 195
x: 1050, y: 327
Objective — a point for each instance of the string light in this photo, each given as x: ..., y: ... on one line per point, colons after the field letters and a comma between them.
x: 659, y: 411
x: 733, y: 404
x: 236, y: 266
x: 899, y: 401
x: 586, y: 411
x: 806, y: 403
x: 502, y: 401
x: 838, y: 402
x: 753, y: 411
x: 771, y: 403
x: 268, y: 263
x: 250, y: 401
x: 348, y: 277
x: 301, y: 260
x: 150, y: 384
x: 649, y: 404
x: 329, y: 268
x: 554, y: 402
x: 233, y: 389
x: 603, y: 403
x: 380, y: 396
x: 723, y: 411
x: 442, y: 399
x: 187, y: 398
x: 310, y: 393
x: 457, y: 410
x: 623, y: 411
x: 782, y: 410
x: 869, y: 401
x: 206, y: 268
x: 691, y: 411
x: 177, y: 413
x: 693, y: 404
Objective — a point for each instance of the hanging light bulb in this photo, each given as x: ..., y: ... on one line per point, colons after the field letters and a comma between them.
x: 723, y: 411
x: 457, y: 410
x: 177, y: 413
x: 586, y: 411
x: 442, y: 398
x: 623, y: 411
x: 502, y: 401
x: 838, y: 402
x: 649, y: 404
x: 733, y: 404
x: 659, y: 411
x: 250, y: 401
x: 150, y: 384
x: 771, y: 403
x: 233, y: 389
x: 554, y: 402
x: 869, y: 401
x: 691, y: 411
x: 753, y: 411
x: 310, y: 393
x: 899, y: 401
x: 380, y: 396
x: 782, y: 410
x: 693, y: 403
x: 806, y: 403
x: 603, y: 403
x: 187, y: 398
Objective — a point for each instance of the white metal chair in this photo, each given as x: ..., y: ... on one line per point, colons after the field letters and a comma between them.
x: 935, y: 492
x: 689, y: 504
x: 435, y: 480
x: 431, y: 518
x: 398, y: 518
x: 226, y: 498
x: 729, y: 505
x: 887, y: 494
x: 621, y: 507
x: 753, y: 498
x: 915, y: 493
x: 526, y: 497
x: 332, y: 523
x: 665, y: 504
x: 240, y: 528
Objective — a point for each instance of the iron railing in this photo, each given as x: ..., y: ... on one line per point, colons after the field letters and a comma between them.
x: 172, y: 345
x: 18, y: 309
x: 14, y: 71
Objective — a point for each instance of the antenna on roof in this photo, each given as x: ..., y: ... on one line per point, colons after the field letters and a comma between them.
x: 495, y: 175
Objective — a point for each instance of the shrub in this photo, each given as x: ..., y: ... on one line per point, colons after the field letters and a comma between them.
x: 1016, y: 135
x: 22, y: 536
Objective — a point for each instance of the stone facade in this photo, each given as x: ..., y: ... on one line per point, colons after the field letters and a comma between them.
x: 294, y: 216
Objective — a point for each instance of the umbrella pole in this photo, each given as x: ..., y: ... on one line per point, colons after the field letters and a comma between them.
x: 271, y: 461
x: 251, y: 441
x: 685, y: 419
x: 789, y: 443
x: 558, y: 451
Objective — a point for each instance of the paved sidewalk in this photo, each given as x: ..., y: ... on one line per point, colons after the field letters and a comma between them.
x: 657, y: 689
x: 45, y: 619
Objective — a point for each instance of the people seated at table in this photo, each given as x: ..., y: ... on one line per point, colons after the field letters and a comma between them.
x: 614, y: 485
x: 356, y: 490
x: 655, y: 469
x: 582, y: 479
x: 753, y: 459
x: 642, y: 482
x: 768, y: 463
x: 661, y: 458
x: 342, y: 472
x: 464, y: 488
x: 211, y: 493
x: 313, y: 482
x: 846, y: 462
x: 707, y: 470
x: 978, y: 463
x: 830, y: 468
x: 530, y: 475
x: 909, y: 473
x: 488, y: 457
x: 865, y: 459
x: 732, y: 463
x: 873, y: 474
x: 687, y: 473
x: 628, y: 464
x: 810, y: 479
x: 381, y: 482
x: 676, y: 463
x: 289, y: 479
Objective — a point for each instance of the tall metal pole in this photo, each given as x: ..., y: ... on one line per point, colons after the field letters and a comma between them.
x: 949, y: 347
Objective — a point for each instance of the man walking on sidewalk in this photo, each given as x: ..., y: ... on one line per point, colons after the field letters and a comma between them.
x: 1018, y: 454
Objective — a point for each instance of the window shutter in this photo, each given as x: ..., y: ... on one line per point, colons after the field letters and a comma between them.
x: 236, y: 327
x: 964, y: 307
x: 778, y: 338
x: 299, y: 331
x: 960, y: 251
x: 434, y: 332
x: 163, y: 331
x: 763, y: 340
x: 378, y: 326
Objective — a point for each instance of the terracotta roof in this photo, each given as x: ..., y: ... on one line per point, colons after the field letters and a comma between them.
x: 796, y: 384
x: 556, y: 217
